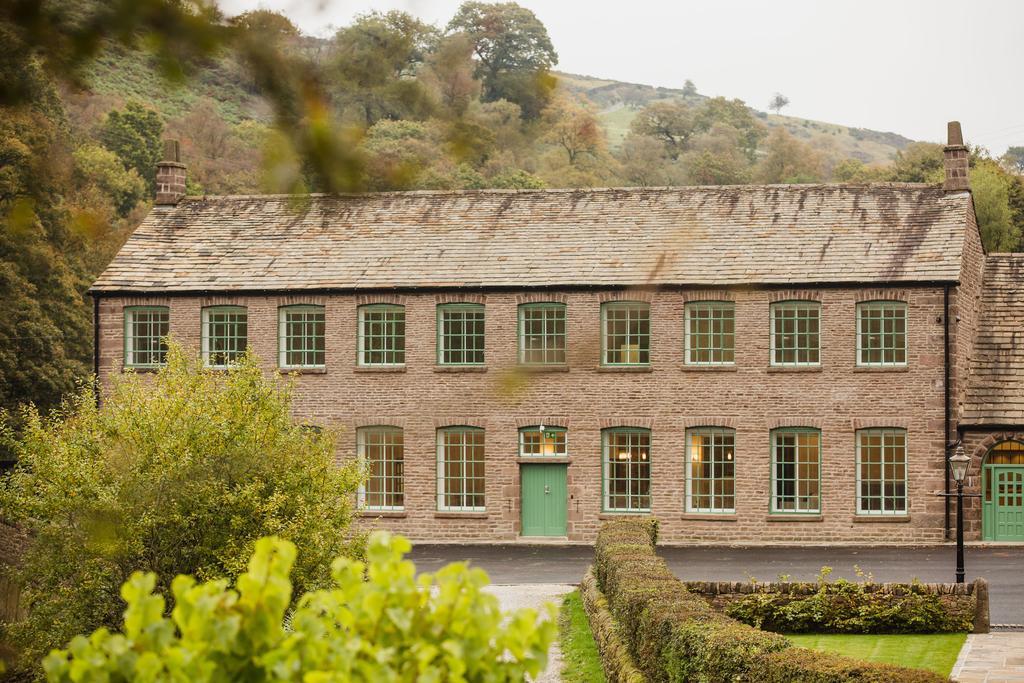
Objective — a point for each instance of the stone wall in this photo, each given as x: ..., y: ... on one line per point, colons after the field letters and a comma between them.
x: 669, y: 397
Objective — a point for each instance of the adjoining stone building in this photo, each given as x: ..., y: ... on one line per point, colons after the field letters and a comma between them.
x: 748, y: 363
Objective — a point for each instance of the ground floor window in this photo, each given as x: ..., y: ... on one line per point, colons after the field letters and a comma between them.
x: 627, y: 470
x: 796, y: 470
x: 460, y: 469
x: 145, y: 336
x: 710, y: 470
x: 382, y: 452
x: 542, y: 442
x: 882, y: 471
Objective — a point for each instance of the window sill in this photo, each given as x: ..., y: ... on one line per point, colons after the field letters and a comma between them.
x: 379, y: 368
x: 302, y: 371
x: 460, y: 368
x: 794, y: 518
x: 881, y: 368
x: 140, y: 370
x: 388, y: 514
x: 540, y: 369
x: 624, y: 513
x: 625, y: 368
x: 794, y: 368
x: 693, y: 367
x: 543, y: 460
x: 708, y: 517
x: 459, y: 515
x: 880, y: 519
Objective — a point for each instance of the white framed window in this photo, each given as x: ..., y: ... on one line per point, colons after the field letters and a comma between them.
x: 626, y: 333
x: 711, y: 470
x: 542, y: 334
x: 543, y: 442
x: 882, y: 471
x: 626, y: 469
x: 460, y: 469
x: 145, y: 336
x: 381, y: 335
x: 225, y: 335
x: 710, y: 333
x: 382, y: 451
x: 460, y: 334
x: 301, y: 337
x: 881, y: 334
x: 796, y: 333
x: 796, y: 471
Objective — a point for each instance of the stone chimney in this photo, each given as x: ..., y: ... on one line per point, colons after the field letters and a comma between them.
x: 170, y: 175
x: 954, y: 160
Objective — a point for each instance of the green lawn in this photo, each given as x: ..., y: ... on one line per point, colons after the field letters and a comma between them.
x: 936, y: 652
x: 580, y: 661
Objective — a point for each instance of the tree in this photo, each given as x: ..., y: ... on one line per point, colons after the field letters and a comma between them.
x: 178, y: 472
x: 376, y: 60
x: 689, y: 89
x: 267, y: 23
x: 779, y: 101
x: 1014, y: 159
x: 990, y: 191
x: 670, y: 122
x: 379, y: 623
x: 450, y: 74
x: 735, y: 113
x: 134, y: 136
x: 575, y: 129
x: 643, y: 161
x: 514, y: 53
x: 788, y: 161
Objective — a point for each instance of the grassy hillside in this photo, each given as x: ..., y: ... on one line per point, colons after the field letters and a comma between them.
x: 132, y: 76
x: 618, y: 103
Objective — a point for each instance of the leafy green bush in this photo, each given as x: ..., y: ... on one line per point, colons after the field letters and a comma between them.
x: 674, y: 635
x: 849, y: 607
x: 380, y: 623
x: 179, y: 472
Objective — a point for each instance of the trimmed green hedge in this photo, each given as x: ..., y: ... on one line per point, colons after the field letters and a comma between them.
x: 616, y: 661
x: 674, y: 635
x: 848, y: 607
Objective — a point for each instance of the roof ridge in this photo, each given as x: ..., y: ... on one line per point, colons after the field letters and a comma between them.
x: 576, y: 190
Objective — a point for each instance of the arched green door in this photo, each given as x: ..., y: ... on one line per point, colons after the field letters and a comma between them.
x: 1003, y: 493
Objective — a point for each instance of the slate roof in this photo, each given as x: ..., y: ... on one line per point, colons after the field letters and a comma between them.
x: 701, y: 236
x: 995, y: 388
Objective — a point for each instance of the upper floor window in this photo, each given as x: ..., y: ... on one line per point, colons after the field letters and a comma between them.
x: 460, y: 334
x: 796, y: 470
x: 710, y: 470
x: 382, y: 452
x: 460, y: 469
x: 796, y: 333
x: 542, y: 334
x: 627, y: 470
x: 145, y: 336
x: 882, y: 333
x: 542, y: 441
x: 225, y: 335
x: 626, y: 338
x: 382, y: 334
x: 301, y: 337
x: 882, y: 472
x: 710, y: 333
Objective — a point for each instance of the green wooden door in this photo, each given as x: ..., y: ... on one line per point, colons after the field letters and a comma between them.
x: 543, y: 491
x: 1004, y: 504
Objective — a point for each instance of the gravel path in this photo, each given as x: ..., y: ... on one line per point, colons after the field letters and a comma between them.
x: 535, y: 595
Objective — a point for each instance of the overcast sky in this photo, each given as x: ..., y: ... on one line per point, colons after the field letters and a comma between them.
x: 906, y: 66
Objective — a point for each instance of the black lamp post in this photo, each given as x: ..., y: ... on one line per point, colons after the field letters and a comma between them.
x: 958, y: 464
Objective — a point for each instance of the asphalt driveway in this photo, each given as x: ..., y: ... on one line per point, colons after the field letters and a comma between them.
x: 524, y: 564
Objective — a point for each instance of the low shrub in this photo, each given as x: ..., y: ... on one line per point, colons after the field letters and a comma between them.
x: 380, y: 624
x: 617, y: 663
x: 849, y: 607
x: 675, y: 635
